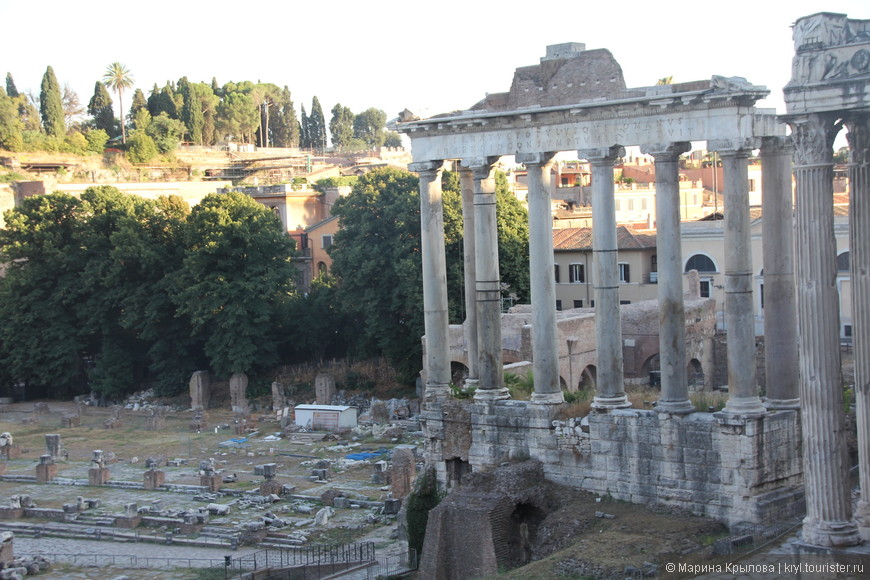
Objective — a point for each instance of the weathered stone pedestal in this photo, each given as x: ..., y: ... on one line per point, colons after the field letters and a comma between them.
x: 403, y: 472
x: 10, y: 452
x: 70, y: 420
x: 46, y: 470
x: 200, y: 390
x: 98, y: 475
x: 270, y: 486
x: 324, y: 389
x: 131, y: 518
x: 211, y: 481
x: 154, y: 478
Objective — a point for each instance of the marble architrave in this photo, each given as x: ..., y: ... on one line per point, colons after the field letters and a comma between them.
x: 500, y: 134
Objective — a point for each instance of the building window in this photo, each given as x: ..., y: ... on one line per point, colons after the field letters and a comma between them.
x: 321, y: 267
x: 556, y: 272
x: 643, y: 204
x: 591, y: 304
x: 706, y: 283
x: 701, y: 263
x: 576, y: 274
x: 751, y: 185
x: 761, y: 294
x: 625, y: 301
x: 558, y: 305
x: 843, y: 262
x: 578, y: 304
x: 327, y: 240
x: 631, y: 204
x: 624, y: 273
x: 617, y: 205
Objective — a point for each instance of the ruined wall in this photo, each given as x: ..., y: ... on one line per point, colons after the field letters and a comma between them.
x: 734, y: 470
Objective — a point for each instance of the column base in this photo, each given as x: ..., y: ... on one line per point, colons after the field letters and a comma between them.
x: 781, y: 404
x: 610, y: 403
x: 830, y: 534
x: 548, y: 398
x: 436, y: 392
x: 744, y: 406
x: 683, y: 407
x: 492, y: 394
x: 472, y: 384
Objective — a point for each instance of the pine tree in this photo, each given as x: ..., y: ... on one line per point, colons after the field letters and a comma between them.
x: 100, y: 108
x: 11, y: 91
x: 51, y: 105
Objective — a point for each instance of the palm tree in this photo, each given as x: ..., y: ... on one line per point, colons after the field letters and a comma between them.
x: 118, y: 78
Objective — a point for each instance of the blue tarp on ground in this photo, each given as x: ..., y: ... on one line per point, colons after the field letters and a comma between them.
x: 367, y: 454
x: 235, y: 442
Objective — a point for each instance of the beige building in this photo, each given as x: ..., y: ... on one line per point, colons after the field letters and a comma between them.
x: 574, y: 265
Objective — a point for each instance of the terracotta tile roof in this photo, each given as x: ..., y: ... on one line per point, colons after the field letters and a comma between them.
x: 581, y: 239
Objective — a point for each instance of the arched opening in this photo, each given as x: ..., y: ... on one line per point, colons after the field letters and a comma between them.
x: 702, y: 263
x: 458, y: 373
x: 587, y: 379
x: 651, y: 369
x: 843, y: 263
x: 456, y: 470
x: 321, y: 267
x: 695, y: 373
x: 522, y: 532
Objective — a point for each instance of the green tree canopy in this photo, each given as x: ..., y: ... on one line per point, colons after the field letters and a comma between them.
x: 317, y: 126
x: 341, y: 126
x: 100, y: 108
x: 51, y: 105
x: 369, y: 126
x: 235, y: 278
x: 11, y: 90
x: 376, y: 259
x: 10, y: 124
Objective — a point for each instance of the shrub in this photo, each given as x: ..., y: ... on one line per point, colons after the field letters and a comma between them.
x: 420, y: 502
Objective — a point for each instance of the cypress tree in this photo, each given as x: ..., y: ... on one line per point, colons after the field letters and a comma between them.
x: 51, y: 105
x: 191, y: 110
x: 100, y: 108
x: 11, y: 91
x: 137, y: 105
x: 305, y: 131
x: 317, y: 133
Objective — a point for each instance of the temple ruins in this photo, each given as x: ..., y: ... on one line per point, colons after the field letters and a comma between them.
x: 746, y: 463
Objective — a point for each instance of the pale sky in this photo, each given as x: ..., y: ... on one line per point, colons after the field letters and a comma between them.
x: 431, y: 57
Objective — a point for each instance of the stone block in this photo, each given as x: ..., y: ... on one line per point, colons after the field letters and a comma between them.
x: 211, y: 481
x: 128, y: 522
x: 46, y: 472
x: 200, y: 390
x: 271, y: 487
x: 98, y: 475
x: 324, y: 389
x: 154, y: 478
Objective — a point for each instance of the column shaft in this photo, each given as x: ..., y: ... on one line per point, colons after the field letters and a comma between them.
x: 610, y: 381
x: 780, y: 308
x: 545, y: 348
x: 487, y: 285
x: 435, y: 316
x: 859, y: 255
x: 743, y: 396
x: 469, y: 327
x: 672, y: 319
x: 828, y: 521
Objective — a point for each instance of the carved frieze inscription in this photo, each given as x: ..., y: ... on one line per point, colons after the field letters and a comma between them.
x: 586, y: 134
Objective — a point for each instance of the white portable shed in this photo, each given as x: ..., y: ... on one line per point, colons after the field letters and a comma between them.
x: 325, y: 417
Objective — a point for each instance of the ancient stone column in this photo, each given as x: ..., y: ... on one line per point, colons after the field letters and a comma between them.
x: 780, y: 307
x: 54, y: 446
x: 199, y: 390
x: 545, y: 347
x: 435, y: 319
x: 672, y: 324
x: 238, y: 390
x: 469, y: 326
x: 488, y: 283
x: 743, y: 396
x: 829, y: 508
x: 610, y: 383
x: 859, y: 254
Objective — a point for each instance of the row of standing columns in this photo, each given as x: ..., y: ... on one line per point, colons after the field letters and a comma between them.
x: 482, y: 282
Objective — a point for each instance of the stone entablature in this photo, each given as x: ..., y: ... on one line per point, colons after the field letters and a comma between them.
x: 722, y: 110
x: 831, y: 64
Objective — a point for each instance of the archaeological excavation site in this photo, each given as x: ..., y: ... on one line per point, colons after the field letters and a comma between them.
x: 708, y: 439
